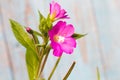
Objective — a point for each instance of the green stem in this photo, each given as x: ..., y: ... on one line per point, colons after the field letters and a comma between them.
x: 38, y: 51
x: 69, y: 71
x: 40, y: 60
x: 36, y: 42
x: 53, y: 70
x: 37, y: 33
x: 39, y: 45
x: 45, y: 59
x: 98, y: 74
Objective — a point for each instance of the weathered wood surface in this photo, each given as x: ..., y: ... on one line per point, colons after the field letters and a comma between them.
x: 101, y: 47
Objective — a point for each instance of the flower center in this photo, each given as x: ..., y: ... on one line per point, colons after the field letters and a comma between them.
x: 58, y: 38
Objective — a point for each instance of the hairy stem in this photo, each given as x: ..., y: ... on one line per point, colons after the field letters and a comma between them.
x: 36, y: 42
x: 98, y: 74
x: 40, y: 60
x: 45, y: 59
x: 69, y: 71
x: 53, y: 70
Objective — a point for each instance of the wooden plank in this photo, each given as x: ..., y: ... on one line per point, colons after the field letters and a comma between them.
x: 6, y: 72
x: 15, y: 52
x: 89, y: 48
x: 108, y: 24
x: 99, y: 48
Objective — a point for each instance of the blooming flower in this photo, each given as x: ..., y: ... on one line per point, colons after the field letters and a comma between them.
x: 56, y: 12
x: 61, y: 40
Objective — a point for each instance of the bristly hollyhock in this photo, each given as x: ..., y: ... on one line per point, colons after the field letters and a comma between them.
x: 61, y: 36
x: 56, y: 12
x: 61, y: 40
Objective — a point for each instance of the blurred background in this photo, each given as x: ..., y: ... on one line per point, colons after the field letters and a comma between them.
x: 100, y: 48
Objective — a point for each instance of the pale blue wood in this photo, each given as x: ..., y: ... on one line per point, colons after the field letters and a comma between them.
x: 98, y: 18
x: 108, y: 17
x: 16, y: 54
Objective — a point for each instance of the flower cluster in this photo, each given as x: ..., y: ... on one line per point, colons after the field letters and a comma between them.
x: 61, y: 33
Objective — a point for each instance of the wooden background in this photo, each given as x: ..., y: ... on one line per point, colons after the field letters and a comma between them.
x: 101, y: 47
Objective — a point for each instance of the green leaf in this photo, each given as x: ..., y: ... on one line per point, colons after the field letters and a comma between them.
x: 32, y: 63
x: 98, y: 74
x: 31, y: 55
x: 21, y: 35
x: 77, y: 36
x: 42, y: 18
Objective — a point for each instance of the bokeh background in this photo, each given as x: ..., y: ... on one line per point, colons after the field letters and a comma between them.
x: 100, y: 48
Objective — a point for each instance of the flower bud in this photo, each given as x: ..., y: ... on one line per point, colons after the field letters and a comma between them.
x: 29, y: 30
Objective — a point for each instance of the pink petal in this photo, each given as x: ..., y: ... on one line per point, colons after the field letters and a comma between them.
x: 56, y: 29
x: 65, y: 16
x: 51, y: 34
x: 50, y: 8
x: 61, y: 14
x: 70, y: 41
x: 54, y: 8
x: 57, y: 8
x: 68, y: 45
x: 59, y: 27
x: 54, y: 44
x: 67, y: 31
x: 57, y: 50
x: 62, y: 29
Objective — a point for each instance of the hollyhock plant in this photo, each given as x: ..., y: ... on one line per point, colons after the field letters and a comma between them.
x: 59, y: 37
x: 61, y: 40
x: 56, y: 12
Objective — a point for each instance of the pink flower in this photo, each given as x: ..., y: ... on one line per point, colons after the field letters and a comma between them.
x: 61, y: 40
x: 56, y: 12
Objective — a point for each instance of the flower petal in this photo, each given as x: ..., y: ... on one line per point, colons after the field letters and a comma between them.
x: 58, y: 28
x: 57, y: 49
x: 57, y: 52
x: 51, y: 34
x: 63, y: 29
x: 55, y: 8
x: 67, y: 31
x: 52, y: 7
x: 68, y: 45
x: 54, y: 44
x: 70, y: 41
x: 61, y: 14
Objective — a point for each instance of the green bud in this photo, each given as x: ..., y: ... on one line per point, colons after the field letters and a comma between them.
x: 77, y: 36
